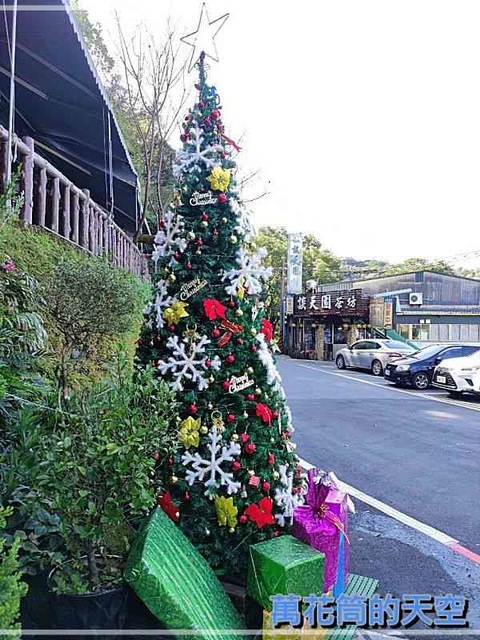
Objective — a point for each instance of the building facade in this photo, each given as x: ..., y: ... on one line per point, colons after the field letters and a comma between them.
x: 421, y: 307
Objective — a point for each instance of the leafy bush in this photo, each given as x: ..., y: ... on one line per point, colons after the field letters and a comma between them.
x: 101, y: 464
x: 12, y: 589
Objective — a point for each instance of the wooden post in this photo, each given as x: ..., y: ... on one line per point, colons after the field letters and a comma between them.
x: 42, y: 198
x: 3, y: 164
x: 75, y: 216
x: 85, y: 220
x: 106, y: 243
x: 67, y: 227
x: 27, y: 178
x: 93, y: 229
x: 55, y: 204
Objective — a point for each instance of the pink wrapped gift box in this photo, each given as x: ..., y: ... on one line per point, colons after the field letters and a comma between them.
x: 321, y: 523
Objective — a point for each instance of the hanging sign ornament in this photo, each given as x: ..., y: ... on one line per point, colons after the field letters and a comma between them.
x: 189, y: 289
x: 239, y: 383
x: 198, y: 199
x: 203, y: 39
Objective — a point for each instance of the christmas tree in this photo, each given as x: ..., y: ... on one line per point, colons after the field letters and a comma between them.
x: 235, y: 478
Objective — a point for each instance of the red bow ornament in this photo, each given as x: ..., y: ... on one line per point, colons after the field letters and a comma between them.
x: 165, y: 501
x: 261, y: 513
x: 214, y: 309
x: 264, y: 412
x: 267, y: 329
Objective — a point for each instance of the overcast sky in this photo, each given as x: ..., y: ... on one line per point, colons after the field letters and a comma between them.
x: 362, y: 116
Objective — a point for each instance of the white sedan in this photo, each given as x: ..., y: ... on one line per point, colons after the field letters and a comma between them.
x: 372, y: 354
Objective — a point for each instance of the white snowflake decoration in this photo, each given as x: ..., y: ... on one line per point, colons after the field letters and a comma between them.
x: 188, y: 361
x: 244, y: 221
x: 212, y: 468
x: 162, y: 302
x: 191, y: 160
x: 285, y: 498
x: 265, y: 356
x: 249, y: 274
x: 168, y: 240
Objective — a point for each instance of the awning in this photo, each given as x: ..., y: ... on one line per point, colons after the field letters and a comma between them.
x: 61, y: 104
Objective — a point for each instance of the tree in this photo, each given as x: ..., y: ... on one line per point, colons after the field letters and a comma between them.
x: 318, y: 264
x: 234, y: 479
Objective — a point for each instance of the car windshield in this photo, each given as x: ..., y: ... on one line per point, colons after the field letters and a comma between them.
x: 428, y: 352
x: 396, y: 344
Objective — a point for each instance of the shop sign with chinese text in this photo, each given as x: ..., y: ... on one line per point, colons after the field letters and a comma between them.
x: 294, y: 263
x: 342, y: 303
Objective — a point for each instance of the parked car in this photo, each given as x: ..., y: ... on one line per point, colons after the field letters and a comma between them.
x: 417, y: 369
x: 459, y: 375
x: 372, y: 354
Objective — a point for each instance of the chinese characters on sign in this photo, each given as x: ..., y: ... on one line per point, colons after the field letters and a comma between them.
x: 380, y: 612
x: 345, y: 303
x: 294, y: 263
x: 388, y: 314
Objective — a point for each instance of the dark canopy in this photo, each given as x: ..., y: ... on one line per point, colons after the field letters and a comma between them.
x: 61, y: 104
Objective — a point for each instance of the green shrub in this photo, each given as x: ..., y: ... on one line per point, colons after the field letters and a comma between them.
x: 12, y: 589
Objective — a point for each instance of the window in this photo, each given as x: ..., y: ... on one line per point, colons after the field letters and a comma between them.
x: 467, y: 351
x: 361, y: 346
x: 455, y: 352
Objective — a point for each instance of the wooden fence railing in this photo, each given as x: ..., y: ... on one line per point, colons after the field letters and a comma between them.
x: 53, y: 202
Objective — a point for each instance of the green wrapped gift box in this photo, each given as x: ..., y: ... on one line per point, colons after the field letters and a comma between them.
x: 284, y: 565
x: 176, y: 583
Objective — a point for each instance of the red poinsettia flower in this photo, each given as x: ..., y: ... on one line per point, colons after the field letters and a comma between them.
x: 171, y: 509
x: 261, y: 513
x: 267, y: 329
x: 214, y: 309
x: 264, y: 412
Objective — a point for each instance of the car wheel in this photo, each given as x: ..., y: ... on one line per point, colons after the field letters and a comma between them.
x: 340, y: 362
x: 455, y: 394
x: 421, y: 381
x: 377, y: 368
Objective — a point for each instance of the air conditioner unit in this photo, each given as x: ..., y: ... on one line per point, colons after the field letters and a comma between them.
x: 415, y: 298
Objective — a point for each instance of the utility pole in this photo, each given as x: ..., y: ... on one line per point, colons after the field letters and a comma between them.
x: 283, y: 332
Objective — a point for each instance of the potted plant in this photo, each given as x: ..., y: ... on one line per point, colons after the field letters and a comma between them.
x: 101, y: 460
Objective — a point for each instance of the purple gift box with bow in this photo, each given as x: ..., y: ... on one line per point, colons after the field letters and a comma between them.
x: 322, y: 522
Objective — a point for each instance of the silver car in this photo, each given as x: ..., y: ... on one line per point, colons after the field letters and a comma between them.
x: 372, y: 354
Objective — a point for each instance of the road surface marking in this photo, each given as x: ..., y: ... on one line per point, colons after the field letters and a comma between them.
x: 426, y: 529
x: 414, y: 394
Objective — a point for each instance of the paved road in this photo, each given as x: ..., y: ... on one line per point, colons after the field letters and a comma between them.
x: 417, y: 452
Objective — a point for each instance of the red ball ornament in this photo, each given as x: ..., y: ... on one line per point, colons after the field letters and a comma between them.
x: 239, y: 340
x: 183, y: 137
x: 250, y: 448
x: 251, y: 397
x: 226, y: 385
x: 156, y: 456
x: 170, y: 462
x: 199, y: 242
x: 254, y: 348
x: 276, y: 533
x: 215, y: 232
x: 244, y: 437
x: 266, y: 487
x: 187, y: 495
x: 271, y: 458
x: 275, y: 414
x: 230, y: 359
x: 189, y: 265
x: 222, y: 198
x: 193, y: 409
x: 231, y: 304
x: 231, y: 417
x: 215, y: 114
x: 171, y: 328
x: 243, y: 519
x: 205, y: 216
x: 208, y: 363
x: 201, y: 105
x: 215, y: 333
x: 207, y: 122
x: 236, y: 466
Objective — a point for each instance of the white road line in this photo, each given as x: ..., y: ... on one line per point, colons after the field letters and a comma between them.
x: 414, y: 394
x: 426, y: 529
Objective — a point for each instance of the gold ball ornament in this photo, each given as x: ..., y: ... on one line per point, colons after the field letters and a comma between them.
x: 204, y: 430
x: 245, y: 414
x: 244, y: 494
x: 258, y: 391
x: 275, y: 475
x: 209, y: 406
x: 253, y: 331
x: 233, y: 239
x: 234, y: 437
x: 191, y: 235
x: 231, y: 530
x: 251, y: 472
x: 239, y: 312
x: 204, y: 223
x: 224, y: 220
x: 172, y: 277
x: 272, y: 440
x: 174, y: 479
x: 250, y: 370
x: 198, y: 252
x: 211, y: 379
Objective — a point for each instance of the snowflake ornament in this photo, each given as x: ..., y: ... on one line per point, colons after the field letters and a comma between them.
x: 187, y: 161
x: 285, y: 498
x: 249, y: 274
x: 212, y: 467
x: 162, y: 302
x: 168, y: 239
x: 188, y: 361
x: 244, y: 221
x: 265, y: 356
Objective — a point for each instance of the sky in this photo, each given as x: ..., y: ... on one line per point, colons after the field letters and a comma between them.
x: 361, y: 117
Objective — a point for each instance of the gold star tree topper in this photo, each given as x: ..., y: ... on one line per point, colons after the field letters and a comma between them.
x: 203, y: 39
